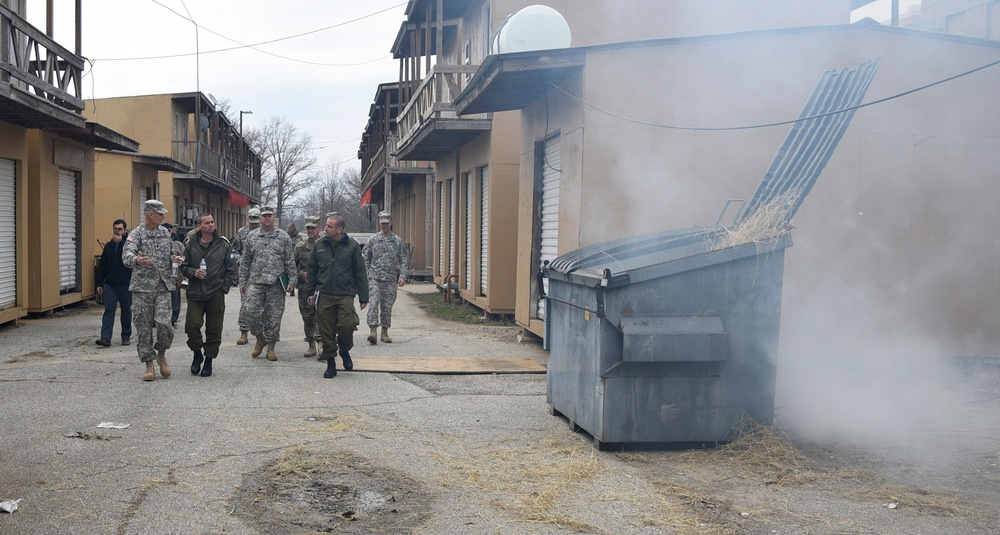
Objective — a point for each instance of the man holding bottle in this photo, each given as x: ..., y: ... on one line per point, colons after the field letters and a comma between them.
x: 210, y: 268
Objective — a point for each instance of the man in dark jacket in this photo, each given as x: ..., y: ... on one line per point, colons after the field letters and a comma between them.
x: 208, y: 285
x: 337, y: 272
x: 112, y: 281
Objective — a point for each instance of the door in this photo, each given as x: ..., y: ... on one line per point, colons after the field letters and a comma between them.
x: 69, y: 232
x: 548, y: 228
x: 8, y: 241
x: 484, y: 225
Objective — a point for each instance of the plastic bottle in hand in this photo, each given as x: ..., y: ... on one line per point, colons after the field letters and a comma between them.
x: 203, y: 267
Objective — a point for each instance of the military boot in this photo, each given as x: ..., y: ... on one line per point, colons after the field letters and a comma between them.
x: 206, y: 370
x: 259, y: 346
x: 161, y: 359
x: 242, y: 341
x: 196, y: 362
x: 373, y: 336
x: 331, y: 368
x: 311, y: 352
x: 150, y: 372
x: 385, y: 335
x: 271, y: 355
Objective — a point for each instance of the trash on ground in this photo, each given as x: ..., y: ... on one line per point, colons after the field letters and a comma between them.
x: 113, y: 425
x: 9, y: 506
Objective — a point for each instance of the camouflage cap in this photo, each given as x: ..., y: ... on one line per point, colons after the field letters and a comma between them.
x: 384, y: 216
x: 266, y: 210
x: 253, y: 215
x: 331, y: 214
x: 155, y: 206
x: 312, y: 221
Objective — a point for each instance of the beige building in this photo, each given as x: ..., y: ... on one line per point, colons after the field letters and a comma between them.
x: 897, y: 235
x: 193, y: 165
x: 47, y: 186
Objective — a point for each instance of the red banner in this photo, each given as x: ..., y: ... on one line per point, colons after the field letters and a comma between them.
x: 366, y: 197
x: 238, y: 199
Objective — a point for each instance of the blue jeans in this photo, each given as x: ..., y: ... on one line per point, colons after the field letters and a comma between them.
x: 114, y: 296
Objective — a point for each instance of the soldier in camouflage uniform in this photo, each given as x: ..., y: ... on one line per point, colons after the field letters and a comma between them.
x: 302, y: 250
x: 296, y: 236
x: 148, y: 252
x: 385, y: 258
x: 267, y: 255
x: 253, y: 222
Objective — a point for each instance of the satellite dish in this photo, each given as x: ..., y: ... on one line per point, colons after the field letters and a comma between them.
x: 534, y: 27
x: 213, y: 100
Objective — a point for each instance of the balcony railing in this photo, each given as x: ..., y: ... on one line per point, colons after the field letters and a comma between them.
x: 217, y: 168
x: 35, y: 63
x: 433, y: 99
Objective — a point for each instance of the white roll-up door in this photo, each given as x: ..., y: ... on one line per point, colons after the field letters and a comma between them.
x: 69, y: 232
x: 452, y: 223
x: 441, y: 226
x: 8, y: 240
x: 549, y: 227
x: 484, y: 225
x: 469, y: 207
x: 143, y: 197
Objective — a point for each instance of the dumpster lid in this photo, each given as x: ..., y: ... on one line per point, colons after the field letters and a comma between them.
x: 628, y: 260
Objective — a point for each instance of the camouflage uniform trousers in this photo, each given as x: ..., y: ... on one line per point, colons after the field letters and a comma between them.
x: 265, y: 305
x: 244, y: 320
x: 152, y: 310
x: 308, y: 316
x: 337, y: 320
x: 381, y: 297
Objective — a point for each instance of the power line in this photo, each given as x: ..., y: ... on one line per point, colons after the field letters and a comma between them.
x: 255, y: 45
x: 779, y: 123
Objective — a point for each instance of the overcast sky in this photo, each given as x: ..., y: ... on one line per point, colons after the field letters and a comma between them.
x: 316, y: 63
x: 323, y: 82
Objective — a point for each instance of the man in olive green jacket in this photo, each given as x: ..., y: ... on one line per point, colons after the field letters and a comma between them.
x: 336, y: 273
x: 206, y: 292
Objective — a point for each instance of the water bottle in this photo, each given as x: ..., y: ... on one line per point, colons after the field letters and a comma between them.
x: 173, y: 268
x: 203, y: 266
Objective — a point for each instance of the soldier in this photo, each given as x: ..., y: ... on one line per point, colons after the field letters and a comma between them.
x: 253, y: 222
x: 385, y: 258
x: 267, y: 255
x: 303, y: 249
x: 148, y: 253
x: 293, y: 233
x: 337, y: 272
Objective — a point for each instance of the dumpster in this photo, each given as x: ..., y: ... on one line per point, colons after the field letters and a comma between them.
x: 670, y: 338
x: 663, y: 339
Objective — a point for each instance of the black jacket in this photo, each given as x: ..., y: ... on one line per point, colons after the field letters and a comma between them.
x: 219, y: 262
x: 337, y: 269
x: 111, y: 270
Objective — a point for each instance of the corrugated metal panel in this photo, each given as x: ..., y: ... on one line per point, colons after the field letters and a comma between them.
x: 810, y: 143
x: 452, y: 226
x: 8, y: 242
x: 469, y: 207
x: 484, y: 224
x: 549, y: 228
x: 68, y: 232
x: 143, y: 197
x: 441, y: 226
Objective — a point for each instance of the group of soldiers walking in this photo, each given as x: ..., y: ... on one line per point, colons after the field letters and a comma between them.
x: 327, y: 264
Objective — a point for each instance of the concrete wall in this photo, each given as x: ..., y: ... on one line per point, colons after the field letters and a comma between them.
x: 896, y: 216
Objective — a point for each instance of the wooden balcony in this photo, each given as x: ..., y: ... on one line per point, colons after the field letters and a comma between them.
x: 214, y: 170
x: 429, y: 127
x: 39, y: 79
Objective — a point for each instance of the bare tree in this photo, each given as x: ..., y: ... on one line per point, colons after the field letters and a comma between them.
x: 286, y: 161
x: 337, y: 190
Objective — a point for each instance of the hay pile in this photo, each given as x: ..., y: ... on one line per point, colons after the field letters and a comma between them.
x: 768, y: 222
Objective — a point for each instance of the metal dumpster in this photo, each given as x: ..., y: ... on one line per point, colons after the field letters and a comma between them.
x: 671, y: 337
x: 663, y: 338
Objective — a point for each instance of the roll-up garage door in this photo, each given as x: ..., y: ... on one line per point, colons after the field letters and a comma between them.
x: 143, y: 197
x: 452, y: 223
x: 442, y: 271
x: 549, y: 227
x: 469, y: 207
x: 8, y: 241
x: 484, y: 225
x: 69, y: 232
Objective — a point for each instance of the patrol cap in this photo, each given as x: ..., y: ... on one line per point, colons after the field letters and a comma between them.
x: 155, y: 206
x: 312, y: 221
x: 331, y: 214
x: 384, y: 216
x: 253, y: 215
x: 266, y: 210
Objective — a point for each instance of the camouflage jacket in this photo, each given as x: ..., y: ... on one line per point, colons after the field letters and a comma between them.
x: 266, y: 257
x: 298, y: 237
x: 241, y: 236
x: 155, y: 244
x: 303, y: 250
x: 385, y: 257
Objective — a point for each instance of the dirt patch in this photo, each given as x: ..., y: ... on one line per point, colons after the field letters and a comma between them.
x: 310, y: 491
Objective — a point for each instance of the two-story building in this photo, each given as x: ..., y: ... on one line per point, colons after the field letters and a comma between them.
x: 47, y: 172
x: 193, y: 158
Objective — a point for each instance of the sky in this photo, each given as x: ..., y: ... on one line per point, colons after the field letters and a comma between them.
x: 320, y: 73
x: 316, y: 63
